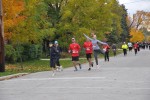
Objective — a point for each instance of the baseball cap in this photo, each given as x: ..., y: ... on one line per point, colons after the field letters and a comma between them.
x: 73, y: 38
x: 56, y: 42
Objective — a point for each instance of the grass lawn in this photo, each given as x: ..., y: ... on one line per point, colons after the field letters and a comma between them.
x: 34, y: 66
x: 38, y: 66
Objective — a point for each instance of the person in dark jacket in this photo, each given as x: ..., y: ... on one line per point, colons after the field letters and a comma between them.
x: 135, y: 48
x: 58, y: 55
x: 114, y: 49
x: 53, y: 57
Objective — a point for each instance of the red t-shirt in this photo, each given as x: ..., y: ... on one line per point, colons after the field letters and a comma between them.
x: 74, y: 48
x: 88, y: 47
x: 135, y: 46
x: 106, y: 48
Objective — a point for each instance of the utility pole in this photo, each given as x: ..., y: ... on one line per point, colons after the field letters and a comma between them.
x: 2, y: 58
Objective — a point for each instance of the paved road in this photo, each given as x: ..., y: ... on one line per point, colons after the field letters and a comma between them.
x: 123, y: 78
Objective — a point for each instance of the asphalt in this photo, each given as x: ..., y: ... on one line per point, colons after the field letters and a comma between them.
x: 123, y: 78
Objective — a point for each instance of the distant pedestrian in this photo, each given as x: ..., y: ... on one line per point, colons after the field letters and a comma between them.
x: 130, y: 46
x: 114, y: 49
x: 96, y: 47
x: 124, y: 47
x: 89, y: 50
x: 59, y: 50
x: 74, y: 49
x: 106, y: 48
x: 135, y: 48
x: 139, y: 46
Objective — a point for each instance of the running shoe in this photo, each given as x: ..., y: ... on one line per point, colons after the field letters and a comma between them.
x: 53, y: 74
x: 61, y: 68
x: 76, y: 69
x: 92, y: 64
x: 89, y: 69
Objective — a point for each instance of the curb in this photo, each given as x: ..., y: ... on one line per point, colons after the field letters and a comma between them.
x: 12, y: 76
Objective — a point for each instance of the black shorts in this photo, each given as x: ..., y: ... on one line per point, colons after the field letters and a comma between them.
x: 53, y: 63
x: 75, y: 58
x: 88, y: 56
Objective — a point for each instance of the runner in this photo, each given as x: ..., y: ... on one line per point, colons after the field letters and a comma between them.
x: 53, y: 57
x: 135, y: 48
x: 124, y: 47
x: 88, y: 49
x: 106, y: 48
x: 59, y: 50
x: 114, y: 48
x: 74, y: 49
x: 130, y: 46
x: 96, y: 47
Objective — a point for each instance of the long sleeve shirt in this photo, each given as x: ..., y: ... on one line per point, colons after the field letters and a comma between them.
x: 95, y: 43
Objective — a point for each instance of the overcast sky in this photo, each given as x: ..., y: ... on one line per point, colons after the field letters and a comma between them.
x: 134, y: 5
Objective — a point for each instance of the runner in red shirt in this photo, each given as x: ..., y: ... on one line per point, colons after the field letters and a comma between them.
x: 89, y: 50
x: 74, y: 49
x: 106, y: 50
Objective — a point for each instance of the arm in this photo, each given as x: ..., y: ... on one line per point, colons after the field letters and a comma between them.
x: 101, y: 42
x: 87, y: 37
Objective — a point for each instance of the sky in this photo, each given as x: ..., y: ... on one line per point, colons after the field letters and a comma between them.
x: 134, y: 5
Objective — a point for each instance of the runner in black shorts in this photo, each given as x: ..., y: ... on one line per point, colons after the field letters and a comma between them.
x: 75, y: 58
x: 88, y: 49
x: 74, y: 49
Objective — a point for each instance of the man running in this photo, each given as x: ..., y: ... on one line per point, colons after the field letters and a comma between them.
x: 74, y: 49
x: 135, y: 48
x: 88, y: 49
x: 53, y: 57
x: 59, y: 50
x: 106, y: 52
x: 124, y: 47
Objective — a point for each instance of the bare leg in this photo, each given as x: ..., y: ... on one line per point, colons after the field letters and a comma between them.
x: 74, y: 64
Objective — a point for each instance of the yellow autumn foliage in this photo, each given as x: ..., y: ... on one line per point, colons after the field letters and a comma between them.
x: 12, y: 15
x: 137, y: 35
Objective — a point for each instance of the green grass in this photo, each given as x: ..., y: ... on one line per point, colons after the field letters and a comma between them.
x: 34, y: 66
x: 38, y: 66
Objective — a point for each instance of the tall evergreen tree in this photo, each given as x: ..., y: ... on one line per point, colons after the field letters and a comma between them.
x: 125, y: 35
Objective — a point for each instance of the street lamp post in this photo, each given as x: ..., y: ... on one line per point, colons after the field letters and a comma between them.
x: 2, y: 58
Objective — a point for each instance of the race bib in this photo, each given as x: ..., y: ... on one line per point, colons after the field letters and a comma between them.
x: 87, y: 49
x: 104, y: 49
x: 74, y: 51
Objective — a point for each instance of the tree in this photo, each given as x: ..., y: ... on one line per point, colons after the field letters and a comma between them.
x: 136, y: 35
x: 35, y: 25
x: 12, y: 16
x: 125, y: 29
x: 80, y: 16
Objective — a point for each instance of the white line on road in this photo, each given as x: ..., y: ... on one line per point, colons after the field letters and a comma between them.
x: 114, y: 88
x: 65, y: 78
